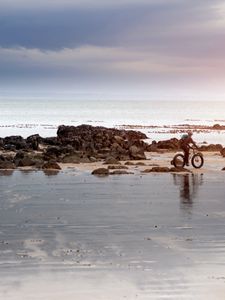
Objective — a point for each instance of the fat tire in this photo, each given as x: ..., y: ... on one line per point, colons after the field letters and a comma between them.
x: 180, y: 158
x: 200, y: 157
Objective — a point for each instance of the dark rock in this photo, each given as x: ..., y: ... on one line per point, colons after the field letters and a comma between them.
x: 211, y: 147
x: 9, y: 147
x: 85, y: 160
x: 111, y: 161
x: 158, y: 170
x: 118, y: 139
x: 101, y: 172
x: 223, y: 152
x: 140, y: 164
x: 217, y: 127
x: 101, y: 142
x: 25, y: 162
x: 52, y: 152
x: 2, y: 158
x: 93, y: 159
x: 71, y: 159
x: 15, y: 140
x: 137, y: 152
x: 172, y: 144
x: 52, y: 141
x: 129, y: 163
x: 113, y: 167
x: 7, y: 165
x: 33, y: 141
x: 19, y: 155
x: 51, y: 165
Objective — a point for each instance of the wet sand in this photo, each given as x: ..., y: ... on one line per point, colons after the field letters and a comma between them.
x: 213, y: 162
x: 77, y: 236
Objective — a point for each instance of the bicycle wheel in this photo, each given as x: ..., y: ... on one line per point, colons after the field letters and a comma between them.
x: 197, y: 160
x: 178, y: 161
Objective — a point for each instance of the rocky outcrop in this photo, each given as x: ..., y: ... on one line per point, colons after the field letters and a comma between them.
x: 101, y: 142
x: 172, y: 144
x: 51, y: 165
x: 100, y: 172
x: 14, y: 142
x: 211, y: 147
x: 6, y: 163
x: 222, y: 151
x: 165, y: 170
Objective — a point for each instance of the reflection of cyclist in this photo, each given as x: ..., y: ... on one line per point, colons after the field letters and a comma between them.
x: 185, y: 144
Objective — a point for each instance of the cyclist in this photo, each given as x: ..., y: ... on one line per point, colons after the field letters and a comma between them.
x: 185, y: 144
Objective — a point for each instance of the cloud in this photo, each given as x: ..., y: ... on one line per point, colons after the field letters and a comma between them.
x: 54, y: 4
x: 112, y: 41
x: 91, y: 61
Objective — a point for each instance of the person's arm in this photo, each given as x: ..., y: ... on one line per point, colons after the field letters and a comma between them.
x: 193, y: 143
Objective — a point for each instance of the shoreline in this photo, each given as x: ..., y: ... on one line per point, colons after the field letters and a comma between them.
x: 115, y: 151
x: 213, y: 163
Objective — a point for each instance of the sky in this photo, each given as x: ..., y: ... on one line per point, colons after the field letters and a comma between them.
x: 154, y: 49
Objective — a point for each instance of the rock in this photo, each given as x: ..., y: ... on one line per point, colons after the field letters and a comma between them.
x: 158, y: 170
x: 93, y: 159
x: 101, y: 142
x: 1, y: 143
x: 51, y: 165
x: 19, y: 155
x: 71, y: 159
x: 25, y: 162
x: 137, y: 152
x: 222, y: 151
x: 113, y: 167
x: 211, y: 147
x: 2, y: 158
x: 118, y: 139
x: 111, y: 161
x: 7, y: 165
x: 140, y: 164
x: 15, y: 141
x: 9, y: 147
x: 33, y: 141
x: 223, y: 169
x: 85, y: 160
x: 53, y: 141
x: 217, y: 127
x: 101, y: 172
x: 52, y: 152
x: 120, y: 172
x: 129, y: 163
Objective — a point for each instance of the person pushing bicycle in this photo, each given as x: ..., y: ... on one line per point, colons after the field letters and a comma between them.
x: 185, y: 144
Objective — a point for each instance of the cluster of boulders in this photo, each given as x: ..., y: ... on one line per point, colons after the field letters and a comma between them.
x: 82, y: 144
x: 101, y: 142
x: 174, y: 145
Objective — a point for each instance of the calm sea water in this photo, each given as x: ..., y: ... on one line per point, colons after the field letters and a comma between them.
x: 29, y: 116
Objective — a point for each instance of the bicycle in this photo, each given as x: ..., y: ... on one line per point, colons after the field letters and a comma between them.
x: 196, y: 158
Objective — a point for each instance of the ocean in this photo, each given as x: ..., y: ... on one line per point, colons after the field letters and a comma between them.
x: 39, y: 115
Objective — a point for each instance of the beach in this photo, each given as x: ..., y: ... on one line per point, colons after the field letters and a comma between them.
x: 74, y: 235
x: 139, y: 230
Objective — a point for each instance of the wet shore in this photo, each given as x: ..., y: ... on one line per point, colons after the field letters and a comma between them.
x: 74, y: 235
